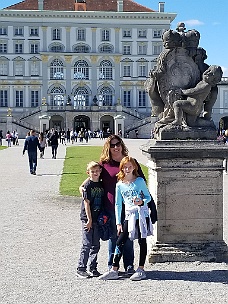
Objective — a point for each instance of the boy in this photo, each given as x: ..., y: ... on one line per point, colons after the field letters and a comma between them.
x: 92, y: 204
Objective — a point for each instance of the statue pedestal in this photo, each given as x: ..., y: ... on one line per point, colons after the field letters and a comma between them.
x: 186, y: 182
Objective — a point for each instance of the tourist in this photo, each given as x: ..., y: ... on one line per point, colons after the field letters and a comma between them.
x: 92, y: 204
x: 8, y: 138
x: 31, y: 144
x: 132, y: 191
x: 54, y: 143
x: 114, y: 150
x: 43, y: 144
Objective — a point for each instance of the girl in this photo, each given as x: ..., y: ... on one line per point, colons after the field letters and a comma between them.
x: 133, y: 192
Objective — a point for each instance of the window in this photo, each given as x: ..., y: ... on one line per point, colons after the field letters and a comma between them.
x: 57, y: 48
x: 57, y: 97
x: 56, y: 34
x: 19, y: 68
x: 157, y: 33
x: 126, y: 33
x: 3, y: 31
x: 3, y: 68
x: 105, y: 97
x: 81, y: 35
x: 18, y: 31
x: 18, y: 48
x: 142, y: 98
x: 81, y: 97
x: 142, y: 49
x: 105, y: 70
x: 3, y: 98
x: 81, y: 48
x: 19, y: 99
x: 127, y: 50
x: 56, y: 71
x: 34, y: 99
x: 81, y: 70
x: 105, y: 35
x: 34, y: 65
x: 142, y: 70
x: 127, y: 99
x: 225, y: 100
x: 3, y: 47
x: 157, y: 49
x: 34, y: 31
x: 126, y: 71
x: 141, y: 33
x: 34, y: 48
x: 106, y: 48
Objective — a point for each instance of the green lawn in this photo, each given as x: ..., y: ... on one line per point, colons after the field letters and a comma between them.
x: 2, y: 147
x: 74, y: 171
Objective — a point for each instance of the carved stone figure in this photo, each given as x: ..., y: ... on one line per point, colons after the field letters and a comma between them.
x: 179, y: 72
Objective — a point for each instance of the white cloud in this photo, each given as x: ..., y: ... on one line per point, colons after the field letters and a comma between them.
x: 225, y: 71
x: 193, y: 22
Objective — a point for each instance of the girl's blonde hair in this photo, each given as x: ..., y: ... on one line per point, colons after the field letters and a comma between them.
x: 124, y: 161
x: 106, y: 154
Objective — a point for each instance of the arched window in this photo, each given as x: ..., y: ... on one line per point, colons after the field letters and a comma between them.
x: 81, y: 70
x: 105, y: 97
x: 56, y: 48
x: 81, y: 48
x: 56, y: 71
x: 105, y: 70
x: 106, y: 48
x: 57, y: 97
x: 81, y: 97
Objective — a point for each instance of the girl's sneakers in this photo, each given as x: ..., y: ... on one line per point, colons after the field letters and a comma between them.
x: 138, y: 275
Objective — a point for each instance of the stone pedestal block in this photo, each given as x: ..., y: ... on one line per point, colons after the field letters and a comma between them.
x: 186, y: 181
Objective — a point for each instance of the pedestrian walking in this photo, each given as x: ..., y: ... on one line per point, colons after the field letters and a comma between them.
x: 54, y: 143
x: 31, y: 145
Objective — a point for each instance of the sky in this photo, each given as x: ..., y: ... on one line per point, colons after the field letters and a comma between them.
x: 209, y: 17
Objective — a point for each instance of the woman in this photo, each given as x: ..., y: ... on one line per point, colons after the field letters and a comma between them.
x: 132, y: 191
x: 114, y: 150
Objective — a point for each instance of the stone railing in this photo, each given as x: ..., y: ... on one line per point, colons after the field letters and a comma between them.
x: 138, y: 124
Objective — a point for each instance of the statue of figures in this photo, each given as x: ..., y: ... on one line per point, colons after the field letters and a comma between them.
x: 9, y: 112
x: 193, y: 104
x: 180, y: 70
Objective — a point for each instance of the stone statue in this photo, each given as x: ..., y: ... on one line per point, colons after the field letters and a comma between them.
x: 182, y: 88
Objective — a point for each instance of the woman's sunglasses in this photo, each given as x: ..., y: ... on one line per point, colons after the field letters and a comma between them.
x: 117, y: 144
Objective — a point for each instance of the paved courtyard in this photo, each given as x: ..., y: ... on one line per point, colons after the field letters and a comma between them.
x: 40, y: 238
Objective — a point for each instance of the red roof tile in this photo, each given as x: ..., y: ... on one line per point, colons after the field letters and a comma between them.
x: 91, y: 5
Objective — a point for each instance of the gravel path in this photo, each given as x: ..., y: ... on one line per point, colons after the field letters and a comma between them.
x: 40, y: 237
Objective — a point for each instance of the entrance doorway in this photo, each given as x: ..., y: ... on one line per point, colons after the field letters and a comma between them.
x: 81, y: 122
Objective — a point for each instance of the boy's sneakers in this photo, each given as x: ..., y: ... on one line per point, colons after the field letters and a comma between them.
x: 83, y: 274
x: 130, y: 271
x: 138, y: 275
x: 110, y: 275
x: 94, y: 273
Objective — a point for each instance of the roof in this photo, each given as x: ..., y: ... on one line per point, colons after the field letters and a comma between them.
x: 88, y: 5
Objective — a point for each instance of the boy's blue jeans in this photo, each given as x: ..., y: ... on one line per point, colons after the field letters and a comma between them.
x: 90, y: 248
x: 128, y: 251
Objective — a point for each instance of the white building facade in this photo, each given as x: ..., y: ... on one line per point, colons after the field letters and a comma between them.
x: 79, y: 68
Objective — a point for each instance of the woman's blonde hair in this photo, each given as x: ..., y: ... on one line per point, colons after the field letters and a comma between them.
x: 124, y: 161
x: 106, y: 154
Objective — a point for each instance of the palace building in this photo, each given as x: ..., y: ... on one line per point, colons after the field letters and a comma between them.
x: 78, y: 63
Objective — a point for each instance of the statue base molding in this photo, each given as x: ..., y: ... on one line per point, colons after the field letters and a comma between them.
x: 190, y: 252
x: 186, y: 182
x: 180, y: 132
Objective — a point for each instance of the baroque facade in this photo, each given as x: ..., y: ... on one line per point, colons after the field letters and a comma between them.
x: 78, y: 63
